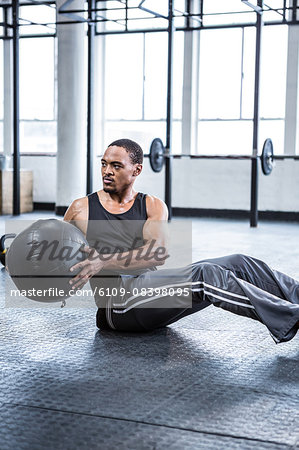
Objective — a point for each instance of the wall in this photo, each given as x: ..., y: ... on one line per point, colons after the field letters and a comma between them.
x: 44, y: 177
x: 212, y: 184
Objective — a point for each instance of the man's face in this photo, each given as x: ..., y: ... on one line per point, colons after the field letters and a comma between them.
x: 118, y: 171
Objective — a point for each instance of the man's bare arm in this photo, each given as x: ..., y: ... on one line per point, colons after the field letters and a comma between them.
x: 77, y: 214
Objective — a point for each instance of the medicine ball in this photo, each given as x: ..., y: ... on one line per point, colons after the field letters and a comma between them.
x: 40, y: 257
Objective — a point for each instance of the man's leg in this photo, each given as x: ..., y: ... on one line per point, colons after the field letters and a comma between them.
x: 257, y: 272
x: 237, y: 283
x: 249, y: 287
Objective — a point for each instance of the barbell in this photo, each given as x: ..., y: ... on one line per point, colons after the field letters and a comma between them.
x: 157, y: 156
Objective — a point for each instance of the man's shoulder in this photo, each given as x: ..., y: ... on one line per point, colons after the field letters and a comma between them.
x: 156, y: 207
x: 78, y: 209
x: 153, y: 199
x: 80, y: 202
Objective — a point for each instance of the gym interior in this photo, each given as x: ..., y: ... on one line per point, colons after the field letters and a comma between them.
x: 209, y: 90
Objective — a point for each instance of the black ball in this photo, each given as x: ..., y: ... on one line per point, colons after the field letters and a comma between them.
x: 40, y: 258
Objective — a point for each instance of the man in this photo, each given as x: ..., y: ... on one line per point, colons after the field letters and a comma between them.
x: 143, y: 298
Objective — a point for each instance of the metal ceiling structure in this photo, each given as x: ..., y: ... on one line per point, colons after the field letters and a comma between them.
x: 124, y: 16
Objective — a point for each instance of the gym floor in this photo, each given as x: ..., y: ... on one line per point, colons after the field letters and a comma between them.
x: 211, y: 380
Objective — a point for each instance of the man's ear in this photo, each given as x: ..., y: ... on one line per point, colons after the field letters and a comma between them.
x: 137, y: 170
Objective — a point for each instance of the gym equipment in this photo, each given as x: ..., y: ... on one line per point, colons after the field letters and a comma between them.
x: 267, y: 157
x: 3, y: 248
x: 158, y: 154
x: 40, y: 258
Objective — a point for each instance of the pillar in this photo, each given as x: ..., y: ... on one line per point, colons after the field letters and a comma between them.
x: 190, y: 89
x: 291, y: 138
x: 8, y: 95
x: 71, y: 112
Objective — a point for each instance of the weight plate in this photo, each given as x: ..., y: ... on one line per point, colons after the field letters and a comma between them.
x: 267, y: 157
x: 157, y: 155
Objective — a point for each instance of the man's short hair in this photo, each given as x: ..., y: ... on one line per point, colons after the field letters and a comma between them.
x: 134, y: 149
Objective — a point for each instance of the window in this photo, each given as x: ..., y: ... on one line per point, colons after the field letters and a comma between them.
x: 248, y: 73
x: 219, y: 12
x: 136, y: 87
x: 273, y: 129
x: 225, y: 137
x: 273, y: 11
x: 124, y: 77
x: 220, y: 73
x: 38, y: 136
x: 37, y: 95
x: 1, y: 96
x: 37, y: 79
x: 273, y: 71
x: 155, y: 88
x: 31, y: 18
x: 1, y: 80
x: 226, y: 89
x: 142, y: 132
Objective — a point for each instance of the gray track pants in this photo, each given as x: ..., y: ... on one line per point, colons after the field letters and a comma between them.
x: 238, y: 283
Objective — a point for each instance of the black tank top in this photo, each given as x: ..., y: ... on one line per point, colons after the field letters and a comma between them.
x: 98, y: 212
x: 109, y: 233
x: 113, y: 233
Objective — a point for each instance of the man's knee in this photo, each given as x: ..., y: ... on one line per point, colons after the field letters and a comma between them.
x: 207, y: 271
x: 238, y: 259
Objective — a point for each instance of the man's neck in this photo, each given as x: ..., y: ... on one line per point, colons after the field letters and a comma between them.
x: 119, y: 198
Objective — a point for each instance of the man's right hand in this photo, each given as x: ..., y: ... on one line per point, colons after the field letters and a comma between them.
x: 89, y: 267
